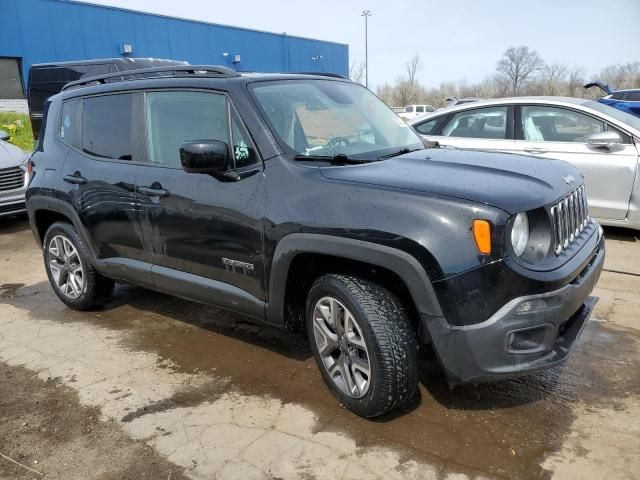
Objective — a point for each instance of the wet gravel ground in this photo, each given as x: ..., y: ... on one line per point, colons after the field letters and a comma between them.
x: 199, y: 392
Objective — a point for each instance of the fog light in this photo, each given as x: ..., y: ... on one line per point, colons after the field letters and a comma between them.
x: 531, y: 306
x: 530, y: 340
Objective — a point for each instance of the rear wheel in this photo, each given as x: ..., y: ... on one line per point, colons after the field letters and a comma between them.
x: 70, y: 271
x: 363, y: 343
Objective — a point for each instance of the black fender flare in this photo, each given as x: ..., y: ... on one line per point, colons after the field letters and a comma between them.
x: 401, y: 263
x: 50, y: 204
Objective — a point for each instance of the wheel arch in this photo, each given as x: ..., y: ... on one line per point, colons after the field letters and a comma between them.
x: 293, y: 250
x: 44, y: 212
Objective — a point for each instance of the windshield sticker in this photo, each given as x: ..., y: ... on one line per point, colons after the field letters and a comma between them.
x: 241, y: 151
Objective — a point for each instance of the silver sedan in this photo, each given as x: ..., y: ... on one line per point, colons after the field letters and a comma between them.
x: 13, y: 177
x: 601, y: 141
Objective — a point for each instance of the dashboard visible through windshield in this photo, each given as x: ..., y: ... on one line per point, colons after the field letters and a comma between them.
x: 326, y: 118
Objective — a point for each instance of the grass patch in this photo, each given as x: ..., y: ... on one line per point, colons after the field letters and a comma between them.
x: 18, y: 126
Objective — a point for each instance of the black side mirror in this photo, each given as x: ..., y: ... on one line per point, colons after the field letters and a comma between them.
x: 206, y: 156
x: 4, y: 135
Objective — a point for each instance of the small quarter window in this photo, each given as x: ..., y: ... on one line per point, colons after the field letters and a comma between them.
x: 243, y: 152
x: 69, y: 132
x: 426, y: 128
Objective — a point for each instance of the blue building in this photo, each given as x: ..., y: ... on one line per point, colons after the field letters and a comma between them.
x: 40, y: 31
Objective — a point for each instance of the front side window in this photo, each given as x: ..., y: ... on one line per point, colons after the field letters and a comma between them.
x: 106, y: 126
x: 326, y: 118
x: 553, y: 124
x: 489, y: 123
x: 176, y: 117
x: 409, y: 109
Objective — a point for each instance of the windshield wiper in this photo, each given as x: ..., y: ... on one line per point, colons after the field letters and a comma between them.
x: 402, y: 151
x: 338, y: 159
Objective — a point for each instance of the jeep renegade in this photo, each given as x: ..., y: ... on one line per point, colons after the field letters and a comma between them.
x: 304, y: 202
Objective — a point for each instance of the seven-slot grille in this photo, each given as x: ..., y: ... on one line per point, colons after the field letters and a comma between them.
x: 11, y: 178
x: 569, y: 216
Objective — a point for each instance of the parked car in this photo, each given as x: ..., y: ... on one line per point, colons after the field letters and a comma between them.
x: 304, y: 202
x: 13, y: 177
x: 625, y: 100
x: 47, y: 79
x: 601, y: 141
x: 413, y: 111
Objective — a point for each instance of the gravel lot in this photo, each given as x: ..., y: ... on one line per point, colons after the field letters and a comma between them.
x: 160, y: 388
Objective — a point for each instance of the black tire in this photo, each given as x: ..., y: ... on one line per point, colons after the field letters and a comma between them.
x: 390, y: 341
x: 96, y: 289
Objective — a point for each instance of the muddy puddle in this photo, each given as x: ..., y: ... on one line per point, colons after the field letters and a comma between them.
x: 503, y: 429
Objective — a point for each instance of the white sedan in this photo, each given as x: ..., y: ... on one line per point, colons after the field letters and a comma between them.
x: 601, y: 141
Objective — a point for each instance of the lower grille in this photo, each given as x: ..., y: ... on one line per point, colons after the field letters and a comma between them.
x: 569, y: 216
x: 11, y: 178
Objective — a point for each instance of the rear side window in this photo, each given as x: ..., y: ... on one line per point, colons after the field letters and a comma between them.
x: 106, y: 126
x: 490, y: 123
x: 69, y: 131
x: 420, y: 109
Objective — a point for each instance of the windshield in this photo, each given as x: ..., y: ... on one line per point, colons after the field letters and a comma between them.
x: 631, y: 120
x: 328, y: 118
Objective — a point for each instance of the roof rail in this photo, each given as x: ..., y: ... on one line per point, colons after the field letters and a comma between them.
x: 200, y: 70
x: 323, y: 74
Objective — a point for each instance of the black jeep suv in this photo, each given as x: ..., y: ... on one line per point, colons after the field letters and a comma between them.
x: 303, y: 201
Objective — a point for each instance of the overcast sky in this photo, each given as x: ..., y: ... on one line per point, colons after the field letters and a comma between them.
x: 456, y: 39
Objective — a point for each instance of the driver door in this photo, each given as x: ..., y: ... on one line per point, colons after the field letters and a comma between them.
x: 195, y: 223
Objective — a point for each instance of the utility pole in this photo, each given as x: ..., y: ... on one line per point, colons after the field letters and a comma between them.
x: 366, y: 14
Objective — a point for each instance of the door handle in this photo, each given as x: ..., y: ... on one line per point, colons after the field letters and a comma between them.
x: 75, y: 179
x: 153, y: 191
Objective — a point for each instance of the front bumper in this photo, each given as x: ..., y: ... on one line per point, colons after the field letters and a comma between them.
x: 14, y: 204
x: 528, y: 334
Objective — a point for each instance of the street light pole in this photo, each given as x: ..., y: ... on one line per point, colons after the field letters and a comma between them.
x: 366, y: 14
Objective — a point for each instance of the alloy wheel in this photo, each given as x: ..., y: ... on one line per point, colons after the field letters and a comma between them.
x: 342, y: 347
x: 66, y: 267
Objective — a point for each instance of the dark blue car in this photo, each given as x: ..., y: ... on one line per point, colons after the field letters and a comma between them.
x: 625, y: 100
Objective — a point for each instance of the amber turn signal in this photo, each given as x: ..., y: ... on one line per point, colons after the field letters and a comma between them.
x: 482, y: 236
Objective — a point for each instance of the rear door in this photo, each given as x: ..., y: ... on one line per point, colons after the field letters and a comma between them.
x: 485, y: 128
x: 195, y: 223
x: 561, y: 133
x: 99, y: 170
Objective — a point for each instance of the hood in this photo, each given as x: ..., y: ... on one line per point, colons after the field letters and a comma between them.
x: 10, y: 155
x: 514, y: 183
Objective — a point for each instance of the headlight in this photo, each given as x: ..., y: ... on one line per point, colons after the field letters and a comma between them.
x: 520, y: 234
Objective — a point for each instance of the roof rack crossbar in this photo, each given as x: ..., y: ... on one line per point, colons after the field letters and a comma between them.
x: 323, y: 74
x: 204, y: 70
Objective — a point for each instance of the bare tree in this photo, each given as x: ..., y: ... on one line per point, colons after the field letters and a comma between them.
x: 356, y: 71
x: 554, y: 76
x: 518, y: 66
x: 575, y: 81
x: 413, y: 66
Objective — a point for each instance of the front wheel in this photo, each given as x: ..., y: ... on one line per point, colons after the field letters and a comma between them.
x: 363, y: 343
